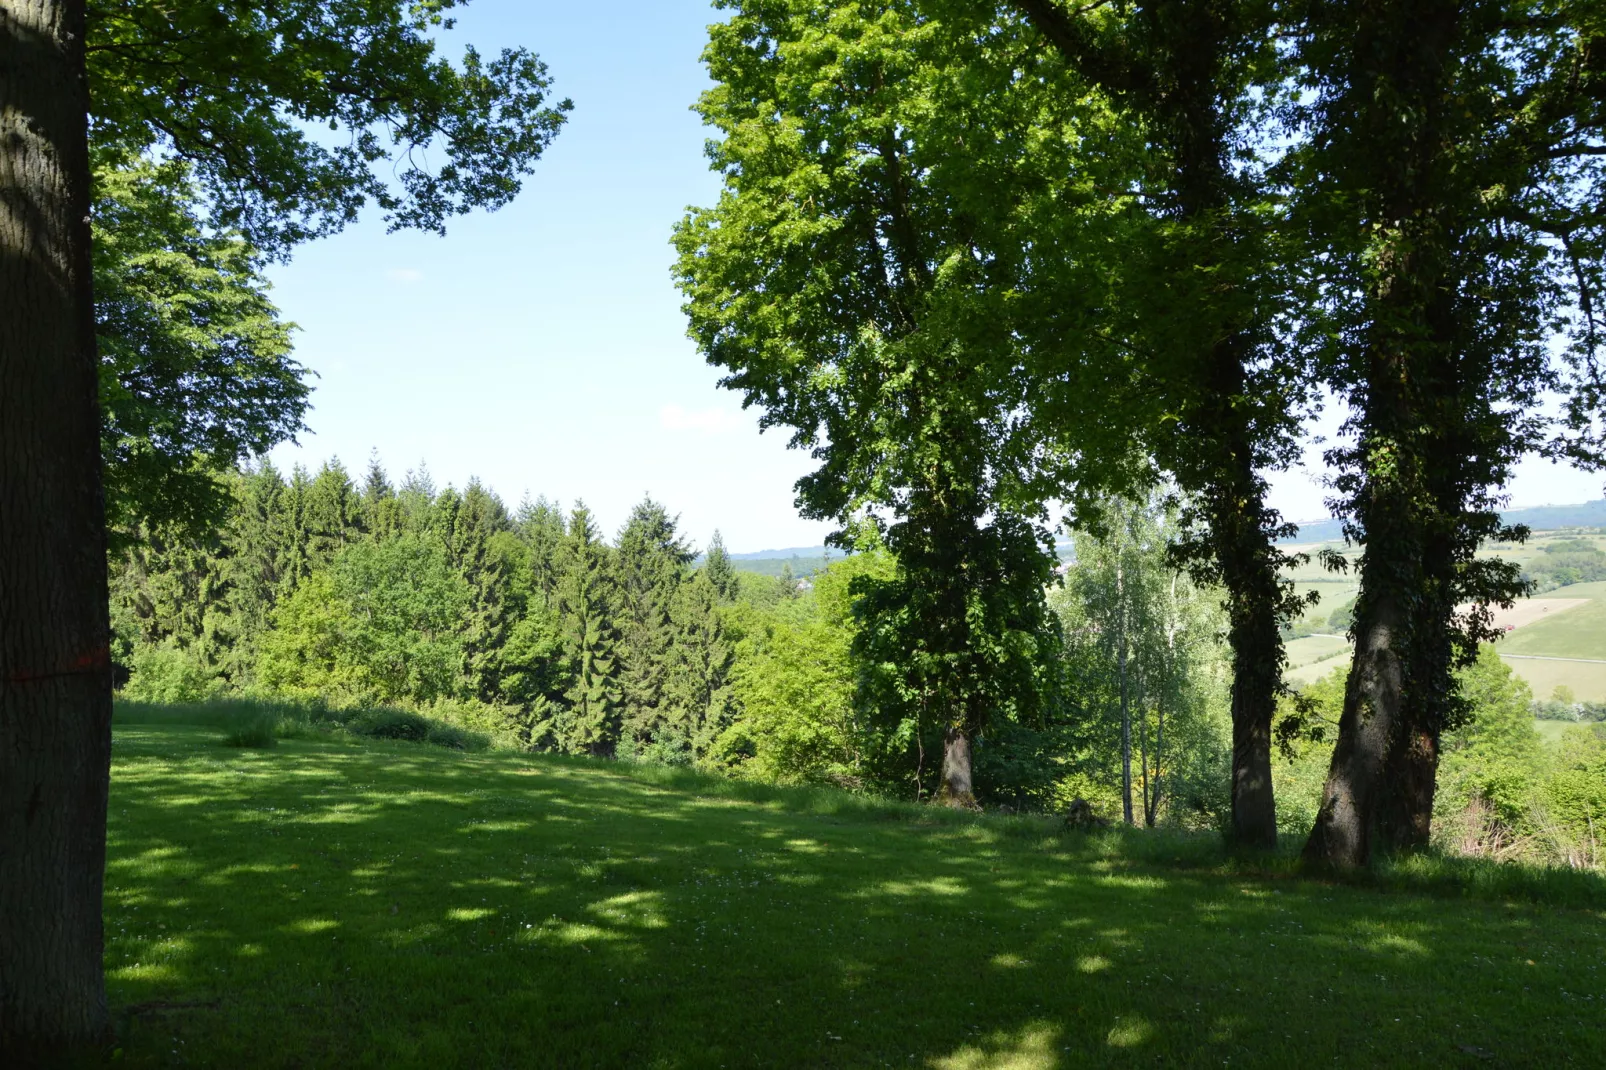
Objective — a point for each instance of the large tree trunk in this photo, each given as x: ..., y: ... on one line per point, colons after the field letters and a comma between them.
x: 1342, y: 837
x: 1190, y: 98
x: 1217, y: 447
x: 1253, y: 596
x: 956, y: 789
x: 55, y: 674
x: 1126, y: 709
x: 1410, y: 777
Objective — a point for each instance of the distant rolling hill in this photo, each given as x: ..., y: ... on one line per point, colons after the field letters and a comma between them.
x: 808, y: 559
x: 1539, y: 518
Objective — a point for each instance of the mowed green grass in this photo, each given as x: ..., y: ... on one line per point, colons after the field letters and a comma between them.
x: 335, y: 903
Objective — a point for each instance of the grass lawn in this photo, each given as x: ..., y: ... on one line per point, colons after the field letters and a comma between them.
x: 329, y: 902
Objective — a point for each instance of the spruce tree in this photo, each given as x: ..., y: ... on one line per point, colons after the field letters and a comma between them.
x: 258, y: 555
x: 719, y: 570
x: 333, y: 513
x: 650, y: 567
x: 589, y: 722
x: 469, y: 526
x: 540, y: 525
x: 697, y: 703
x: 381, y: 512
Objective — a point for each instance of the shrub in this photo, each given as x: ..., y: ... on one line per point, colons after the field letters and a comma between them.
x: 389, y: 723
x: 481, y: 723
x: 257, y: 732
x: 446, y: 735
x: 169, y: 674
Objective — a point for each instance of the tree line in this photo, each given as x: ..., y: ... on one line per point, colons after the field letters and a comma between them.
x: 530, y: 626
x: 526, y: 622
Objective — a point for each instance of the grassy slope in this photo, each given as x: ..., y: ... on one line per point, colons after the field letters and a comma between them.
x: 329, y: 903
x: 1579, y: 632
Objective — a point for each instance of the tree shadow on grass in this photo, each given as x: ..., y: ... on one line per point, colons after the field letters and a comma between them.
x: 329, y: 904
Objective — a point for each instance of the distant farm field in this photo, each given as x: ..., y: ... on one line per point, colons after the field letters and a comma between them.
x: 1315, y: 656
x: 1567, y: 623
x: 1576, y: 632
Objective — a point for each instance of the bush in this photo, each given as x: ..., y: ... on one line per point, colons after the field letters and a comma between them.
x: 390, y: 723
x: 479, y: 724
x: 169, y: 674
x: 258, y: 732
x: 449, y: 736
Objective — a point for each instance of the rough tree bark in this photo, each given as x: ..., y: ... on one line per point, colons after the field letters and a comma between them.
x: 1126, y: 709
x: 1247, y: 559
x: 1366, y: 729
x: 1221, y: 450
x: 55, y: 674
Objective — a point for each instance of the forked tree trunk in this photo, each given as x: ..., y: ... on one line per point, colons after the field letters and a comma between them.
x: 1342, y: 836
x: 55, y: 674
x: 957, y: 789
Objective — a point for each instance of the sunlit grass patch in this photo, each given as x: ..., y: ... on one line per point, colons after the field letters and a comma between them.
x: 337, y: 901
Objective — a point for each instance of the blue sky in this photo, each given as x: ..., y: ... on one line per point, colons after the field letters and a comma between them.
x: 542, y: 347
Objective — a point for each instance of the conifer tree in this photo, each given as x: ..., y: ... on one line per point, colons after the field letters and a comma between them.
x: 469, y: 527
x: 416, y: 496
x: 650, y: 566
x: 540, y: 524
x: 698, y: 703
x: 589, y: 722
x: 257, y: 541
x: 333, y: 513
x: 381, y: 512
x: 719, y: 570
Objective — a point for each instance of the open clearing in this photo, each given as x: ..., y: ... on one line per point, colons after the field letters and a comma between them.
x: 330, y: 903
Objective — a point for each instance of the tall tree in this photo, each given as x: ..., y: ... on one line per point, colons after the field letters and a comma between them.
x: 1198, y: 309
x: 1136, y: 633
x: 55, y: 669
x: 650, y: 567
x: 698, y: 704
x: 1458, y: 237
x: 231, y: 89
x: 835, y: 283
x: 381, y: 512
x: 721, y: 573
x: 540, y: 525
x: 586, y: 604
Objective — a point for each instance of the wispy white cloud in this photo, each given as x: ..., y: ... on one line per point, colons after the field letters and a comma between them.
x: 404, y: 275
x: 707, y: 421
